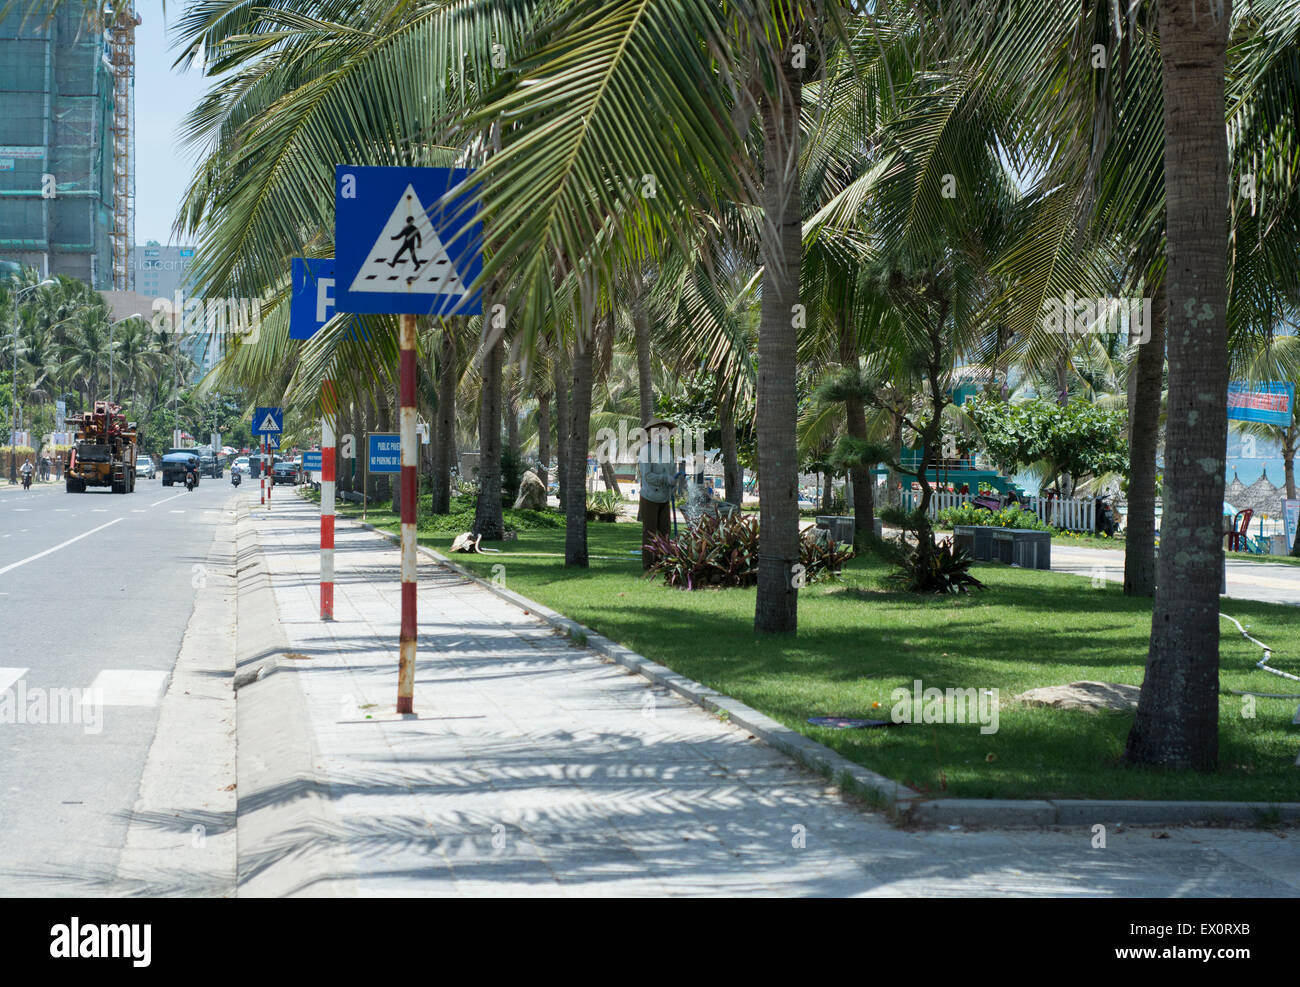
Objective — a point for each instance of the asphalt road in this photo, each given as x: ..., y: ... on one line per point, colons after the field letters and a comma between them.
x: 96, y: 591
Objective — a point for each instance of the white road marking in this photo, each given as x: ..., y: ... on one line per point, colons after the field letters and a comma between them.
x: 99, y: 510
x: 137, y: 510
x: 126, y: 687
x: 165, y: 499
x: 60, y: 510
x: 41, y: 555
x: 8, y: 676
x: 181, y: 511
x: 24, y: 510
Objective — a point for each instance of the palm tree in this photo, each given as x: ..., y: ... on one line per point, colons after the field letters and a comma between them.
x: 1178, y: 711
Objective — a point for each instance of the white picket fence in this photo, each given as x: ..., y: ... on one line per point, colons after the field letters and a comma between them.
x: 1068, y: 514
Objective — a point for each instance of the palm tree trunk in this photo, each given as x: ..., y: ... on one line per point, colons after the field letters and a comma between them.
x: 864, y: 492
x: 609, y: 476
x: 578, y: 431
x: 512, y: 410
x: 732, y: 478
x: 561, y: 430
x: 1290, y: 439
x: 776, y: 609
x: 386, y: 488
x: 544, y: 436
x: 641, y: 327
x: 488, y: 520
x: 1144, y: 427
x: 445, y: 427
x: 1178, y: 712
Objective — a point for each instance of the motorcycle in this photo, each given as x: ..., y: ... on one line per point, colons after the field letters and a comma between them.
x: 27, y: 481
x: 191, y: 481
x: 1104, y: 522
x: 234, y: 478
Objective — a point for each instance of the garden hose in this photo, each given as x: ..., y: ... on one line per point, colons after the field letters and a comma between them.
x: 1262, y: 664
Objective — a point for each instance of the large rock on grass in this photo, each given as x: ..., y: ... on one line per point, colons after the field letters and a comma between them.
x: 1092, y: 696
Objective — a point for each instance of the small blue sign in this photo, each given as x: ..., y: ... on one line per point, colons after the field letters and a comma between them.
x: 384, y: 452
x: 271, y: 441
x: 311, y: 462
x: 268, y: 421
x: 407, y: 240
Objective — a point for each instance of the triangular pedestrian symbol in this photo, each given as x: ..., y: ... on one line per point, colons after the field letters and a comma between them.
x: 268, y: 424
x: 408, y: 257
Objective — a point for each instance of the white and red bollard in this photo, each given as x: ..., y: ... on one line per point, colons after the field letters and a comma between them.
x: 328, y: 406
x: 409, y: 492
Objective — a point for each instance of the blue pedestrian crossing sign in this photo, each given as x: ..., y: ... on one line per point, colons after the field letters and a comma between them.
x: 268, y: 421
x: 407, y: 240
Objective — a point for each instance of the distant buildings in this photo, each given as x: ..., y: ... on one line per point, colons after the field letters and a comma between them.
x: 57, y: 123
x: 161, y: 271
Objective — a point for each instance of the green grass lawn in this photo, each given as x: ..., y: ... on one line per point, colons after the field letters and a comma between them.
x: 858, y: 640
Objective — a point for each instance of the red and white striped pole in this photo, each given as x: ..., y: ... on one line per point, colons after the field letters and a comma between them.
x: 328, y: 405
x: 270, y: 480
x: 262, y: 473
x: 406, y: 399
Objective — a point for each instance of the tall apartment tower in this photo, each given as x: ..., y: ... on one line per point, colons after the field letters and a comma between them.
x: 66, y: 144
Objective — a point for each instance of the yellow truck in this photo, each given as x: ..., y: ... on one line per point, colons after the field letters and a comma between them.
x: 103, y: 453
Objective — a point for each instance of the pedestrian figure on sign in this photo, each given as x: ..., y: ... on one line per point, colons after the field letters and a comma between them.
x: 410, y: 238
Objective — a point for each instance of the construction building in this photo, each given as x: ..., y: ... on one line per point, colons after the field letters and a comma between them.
x: 67, y: 148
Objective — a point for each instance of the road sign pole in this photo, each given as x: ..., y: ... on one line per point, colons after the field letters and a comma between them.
x: 261, y: 473
x: 409, y: 489
x: 270, y: 480
x: 328, y: 405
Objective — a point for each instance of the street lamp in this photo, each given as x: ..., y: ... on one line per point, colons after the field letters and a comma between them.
x: 13, y: 431
x: 137, y: 315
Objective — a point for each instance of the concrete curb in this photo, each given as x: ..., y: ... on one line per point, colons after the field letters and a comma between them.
x: 284, y: 820
x: 900, y: 802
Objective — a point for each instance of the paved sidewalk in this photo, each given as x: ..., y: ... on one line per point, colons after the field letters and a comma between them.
x: 536, y: 768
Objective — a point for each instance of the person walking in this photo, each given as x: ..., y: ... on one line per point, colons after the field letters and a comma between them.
x: 657, y: 472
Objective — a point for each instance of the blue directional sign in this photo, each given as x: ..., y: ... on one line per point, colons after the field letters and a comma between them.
x: 311, y: 461
x: 268, y: 421
x: 384, y: 452
x: 407, y: 240
x: 311, y: 304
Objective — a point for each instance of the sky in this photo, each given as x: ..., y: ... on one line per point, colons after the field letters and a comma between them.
x: 163, y: 97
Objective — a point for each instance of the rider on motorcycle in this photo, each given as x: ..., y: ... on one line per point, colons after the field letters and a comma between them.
x: 191, y: 478
x: 28, y: 470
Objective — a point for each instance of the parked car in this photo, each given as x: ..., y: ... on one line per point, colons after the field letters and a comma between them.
x: 144, y: 466
x: 286, y: 471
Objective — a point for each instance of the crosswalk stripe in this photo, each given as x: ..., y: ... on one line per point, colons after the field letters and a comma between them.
x: 127, y: 687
